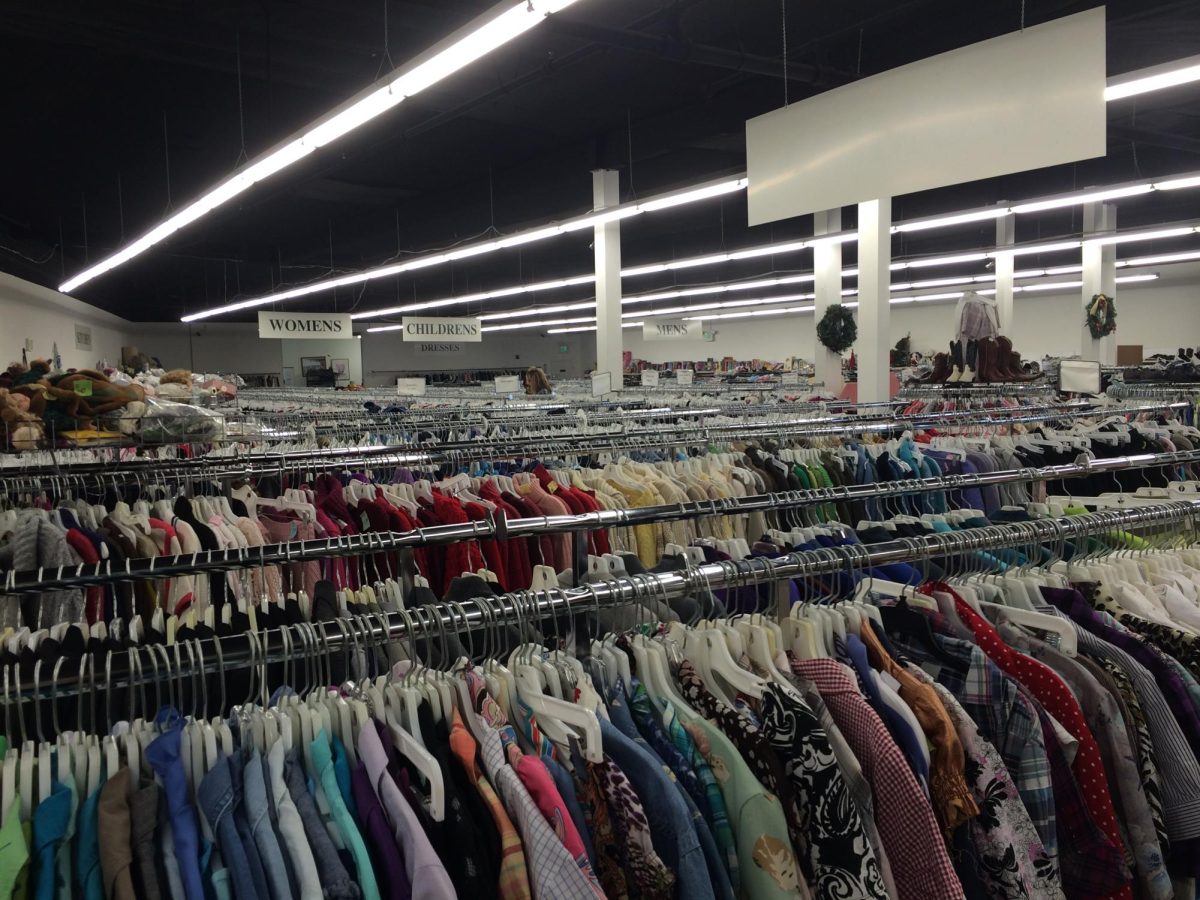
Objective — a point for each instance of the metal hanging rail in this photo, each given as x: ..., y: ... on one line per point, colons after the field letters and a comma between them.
x: 489, y: 448
x: 291, y: 644
x: 500, y: 528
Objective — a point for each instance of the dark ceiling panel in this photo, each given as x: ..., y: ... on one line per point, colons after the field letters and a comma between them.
x: 133, y: 107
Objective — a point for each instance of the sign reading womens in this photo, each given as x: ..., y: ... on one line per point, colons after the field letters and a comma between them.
x: 304, y: 325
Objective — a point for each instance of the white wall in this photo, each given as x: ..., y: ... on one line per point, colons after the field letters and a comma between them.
x: 1161, y: 316
x: 332, y: 348
x: 46, y: 317
x: 225, y: 348
x: 386, y: 355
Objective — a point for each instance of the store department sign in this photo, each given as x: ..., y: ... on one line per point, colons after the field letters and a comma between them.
x: 672, y: 330
x: 304, y: 326
x: 1023, y: 101
x: 437, y: 329
x: 437, y: 347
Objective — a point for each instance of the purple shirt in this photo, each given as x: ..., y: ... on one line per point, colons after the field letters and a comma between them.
x: 426, y: 874
x: 394, y: 881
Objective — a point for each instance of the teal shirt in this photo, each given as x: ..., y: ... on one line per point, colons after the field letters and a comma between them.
x: 88, y: 877
x: 322, y: 758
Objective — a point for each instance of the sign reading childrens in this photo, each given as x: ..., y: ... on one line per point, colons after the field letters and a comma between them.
x: 422, y: 328
x: 304, y: 325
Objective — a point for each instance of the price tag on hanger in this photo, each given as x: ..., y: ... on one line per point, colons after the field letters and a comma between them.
x: 684, y: 376
x: 649, y: 378
x: 601, y: 383
x: 790, y: 378
x: 410, y: 387
x: 508, y: 384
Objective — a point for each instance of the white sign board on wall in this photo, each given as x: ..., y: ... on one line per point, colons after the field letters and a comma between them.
x: 304, y: 326
x: 1021, y: 101
x: 423, y: 328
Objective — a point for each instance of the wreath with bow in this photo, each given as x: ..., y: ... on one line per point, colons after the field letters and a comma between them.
x: 1101, y: 316
x: 837, y: 330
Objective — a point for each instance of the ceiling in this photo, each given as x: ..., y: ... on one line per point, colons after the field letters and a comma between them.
x: 120, y: 112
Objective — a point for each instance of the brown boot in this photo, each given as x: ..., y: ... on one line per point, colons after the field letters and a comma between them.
x: 985, y: 353
x: 1010, y: 361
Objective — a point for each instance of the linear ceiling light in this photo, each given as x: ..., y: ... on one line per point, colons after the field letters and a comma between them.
x: 1152, y: 235
x: 498, y: 294
x: 578, y: 223
x: 977, y: 215
x: 476, y: 39
x: 1075, y: 199
x: 1156, y: 78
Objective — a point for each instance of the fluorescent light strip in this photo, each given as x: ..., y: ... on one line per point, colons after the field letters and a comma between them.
x: 1156, y: 78
x: 963, y: 218
x: 1075, y: 199
x: 519, y: 325
x: 692, y: 262
x: 1159, y: 259
x: 477, y: 39
x: 1143, y: 235
x: 578, y: 223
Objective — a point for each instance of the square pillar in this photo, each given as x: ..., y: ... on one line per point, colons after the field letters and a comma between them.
x: 874, y: 299
x: 827, y: 269
x: 1099, y: 277
x: 1005, y: 265
x: 606, y: 192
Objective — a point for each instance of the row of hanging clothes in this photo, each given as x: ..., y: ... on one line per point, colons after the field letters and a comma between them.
x: 130, y: 518
x: 251, y: 616
x: 1011, y: 716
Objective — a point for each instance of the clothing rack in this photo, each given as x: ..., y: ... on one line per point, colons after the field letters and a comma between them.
x: 502, y: 447
x: 500, y: 528
x: 480, y: 613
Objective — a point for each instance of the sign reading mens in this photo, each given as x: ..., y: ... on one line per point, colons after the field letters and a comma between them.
x: 672, y: 330
x: 419, y: 328
x: 301, y: 326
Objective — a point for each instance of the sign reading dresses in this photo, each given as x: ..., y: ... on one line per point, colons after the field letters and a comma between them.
x: 672, y: 330
x: 304, y: 326
x: 418, y: 328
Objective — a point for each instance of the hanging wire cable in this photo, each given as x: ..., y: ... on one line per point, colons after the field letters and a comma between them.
x: 242, y: 156
x: 783, y: 12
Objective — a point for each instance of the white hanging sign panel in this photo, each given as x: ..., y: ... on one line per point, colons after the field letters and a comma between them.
x: 508, y: 384
x: 601, y: 383
x: 672, y: 330
x: 304, y: 326
x: 1019, y: 102
x: 410, y: 387
x: 684, y: 376
x: 431, y: 328
x: 649, y: 378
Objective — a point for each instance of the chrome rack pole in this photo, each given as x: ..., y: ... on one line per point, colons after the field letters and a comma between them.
x: 479, y: 613
x: 14, y: 582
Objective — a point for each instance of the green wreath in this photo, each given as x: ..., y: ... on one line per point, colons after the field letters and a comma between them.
x: 837, y: 330
x: 1101, y: 316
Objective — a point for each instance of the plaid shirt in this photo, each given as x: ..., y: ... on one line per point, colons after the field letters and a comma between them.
x: 553, y: 872
x: 912, y: 839
x: 514, y: 873
x: 1057, y: 700
x: 1006, y: 717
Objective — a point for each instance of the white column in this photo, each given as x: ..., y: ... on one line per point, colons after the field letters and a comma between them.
x: 1005, y: 237
x: 1099, y: 277
x: 606, y: 192
x: 827, y: 267
x: 874, y: 296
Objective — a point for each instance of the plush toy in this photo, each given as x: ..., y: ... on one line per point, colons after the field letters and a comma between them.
x: 71, y: 401
x: 175, y: 385
x: 22, y: 429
